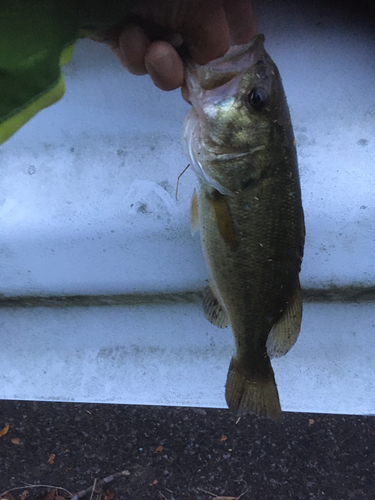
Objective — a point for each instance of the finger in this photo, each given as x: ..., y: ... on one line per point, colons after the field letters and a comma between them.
x: 133, y: 45
x: 164, y: 66
x: 207, y: 37
x: 241, y: 20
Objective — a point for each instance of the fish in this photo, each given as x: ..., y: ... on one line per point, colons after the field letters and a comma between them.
x: 247, y: 206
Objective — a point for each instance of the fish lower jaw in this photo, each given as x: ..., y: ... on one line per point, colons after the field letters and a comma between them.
x: 213, y: 184
x: 216, y: 156
x: 206, y: 179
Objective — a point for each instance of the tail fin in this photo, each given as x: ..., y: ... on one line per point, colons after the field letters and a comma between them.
x: 256, y: 394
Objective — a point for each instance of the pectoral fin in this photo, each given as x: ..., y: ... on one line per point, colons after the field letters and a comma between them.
x: 285, y: 332
x: 213, y: 310
x: 194, y: 214
x: 223, y: 218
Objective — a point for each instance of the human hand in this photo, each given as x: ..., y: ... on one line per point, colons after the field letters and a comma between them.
x: 149, y: 42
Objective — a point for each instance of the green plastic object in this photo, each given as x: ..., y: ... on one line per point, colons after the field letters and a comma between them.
x: 36, y: 38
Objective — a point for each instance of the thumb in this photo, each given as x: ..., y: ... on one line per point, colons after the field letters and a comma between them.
x: 206, y: 35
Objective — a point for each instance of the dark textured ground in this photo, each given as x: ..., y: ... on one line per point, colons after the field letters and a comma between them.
x: 305, y: 456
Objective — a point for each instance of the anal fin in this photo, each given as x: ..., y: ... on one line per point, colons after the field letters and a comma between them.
x: 284, y: 333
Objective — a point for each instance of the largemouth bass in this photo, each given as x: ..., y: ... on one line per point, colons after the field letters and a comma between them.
x: 240, y: 143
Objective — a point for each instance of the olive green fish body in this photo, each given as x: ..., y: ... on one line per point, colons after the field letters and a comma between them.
x: 250, y: 215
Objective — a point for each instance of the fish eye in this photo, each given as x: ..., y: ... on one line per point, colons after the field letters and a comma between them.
x: 257, y: 98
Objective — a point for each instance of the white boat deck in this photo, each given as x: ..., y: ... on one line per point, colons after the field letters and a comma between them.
x: 88, y: 212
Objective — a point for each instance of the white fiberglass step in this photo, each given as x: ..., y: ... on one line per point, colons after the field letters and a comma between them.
x: 170, y: 355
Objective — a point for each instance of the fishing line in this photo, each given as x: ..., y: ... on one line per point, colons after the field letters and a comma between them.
x: 178, y: 179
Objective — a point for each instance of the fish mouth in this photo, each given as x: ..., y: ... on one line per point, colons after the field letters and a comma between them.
x: 237, y: 58
x: 220, y: 71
